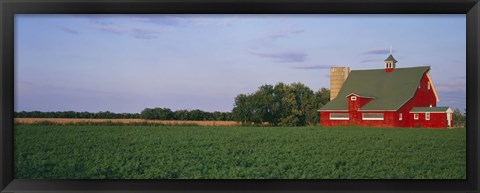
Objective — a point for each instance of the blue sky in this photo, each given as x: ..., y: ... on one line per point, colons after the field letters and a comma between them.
x: 125, y: 63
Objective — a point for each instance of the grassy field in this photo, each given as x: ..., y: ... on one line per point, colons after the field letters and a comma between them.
x: 194, y: 152
x: 70, y: 121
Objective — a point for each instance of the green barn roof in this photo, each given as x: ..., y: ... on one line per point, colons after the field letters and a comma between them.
x: 428, y: 109
x: 389, y: 90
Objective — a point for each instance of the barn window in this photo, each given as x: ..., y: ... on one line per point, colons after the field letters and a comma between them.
x: 427, y: 116
x: 338, y: 116
x: 428, y: 85
x: 354, y: 98
x: 400, y: 116
x: 415, y: 116
x: 372, y: 116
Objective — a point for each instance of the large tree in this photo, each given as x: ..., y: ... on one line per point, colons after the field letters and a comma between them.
x: 241, y: 111
x: 282, y: 104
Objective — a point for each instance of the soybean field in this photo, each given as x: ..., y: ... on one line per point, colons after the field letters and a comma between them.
x: 202, y: 152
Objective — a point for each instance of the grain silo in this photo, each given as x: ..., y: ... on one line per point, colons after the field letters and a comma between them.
x: 338, y: 75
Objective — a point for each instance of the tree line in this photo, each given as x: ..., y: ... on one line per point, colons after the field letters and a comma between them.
x: 74, y: 114
x: 194, y: 115
x: 280, y: 105
x: 277, y: 105
x: 459, y: 119
x: 147, y: 113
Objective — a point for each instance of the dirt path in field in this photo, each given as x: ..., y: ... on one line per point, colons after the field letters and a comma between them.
x: 168, y: 122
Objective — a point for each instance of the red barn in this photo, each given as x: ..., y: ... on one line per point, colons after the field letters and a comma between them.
x: 390, y: 97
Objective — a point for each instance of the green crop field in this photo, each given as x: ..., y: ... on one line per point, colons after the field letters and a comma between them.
x: 194, y: 152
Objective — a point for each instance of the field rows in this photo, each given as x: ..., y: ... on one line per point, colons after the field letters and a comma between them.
x: 62, y: 121
x: 176, y: 152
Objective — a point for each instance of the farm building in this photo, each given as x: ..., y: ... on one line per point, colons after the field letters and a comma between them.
x: 390, y: 97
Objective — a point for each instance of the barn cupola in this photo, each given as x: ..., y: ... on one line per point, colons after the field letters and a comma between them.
x: 390, y: 62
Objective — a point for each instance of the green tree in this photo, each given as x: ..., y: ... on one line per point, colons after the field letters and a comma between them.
x: 282, y: 104
x: 300, y: 105
x: 157, y: 114
x: 263, y: 102
x: 322, y: 96
x: 279, y: 109
x: 241, y: 111
x: 459, y: 119
x: 181, y: 115
x: 197, y: 115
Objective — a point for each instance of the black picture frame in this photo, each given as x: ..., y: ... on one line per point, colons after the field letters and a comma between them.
x: 9, y: 8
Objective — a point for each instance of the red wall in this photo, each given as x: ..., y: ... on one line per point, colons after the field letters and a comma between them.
x: 437, y: 120
x: 423, y: 97
x: 389, y: 119
x: 355, y: 105
x: 325, y: 119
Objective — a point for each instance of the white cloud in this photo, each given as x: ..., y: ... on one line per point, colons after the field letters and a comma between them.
x: 451, y: 87
x: 283, y: 57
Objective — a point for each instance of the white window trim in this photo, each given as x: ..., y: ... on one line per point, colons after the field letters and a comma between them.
x: 400, y: 117
x: 376, y: 119
x: 353, y: 98
x: 428, y: 85
x: 427, y: 116
x: 416, y: 116
x: 337, y: 118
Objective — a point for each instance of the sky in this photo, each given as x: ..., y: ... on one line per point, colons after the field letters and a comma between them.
x: 125, y: 63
